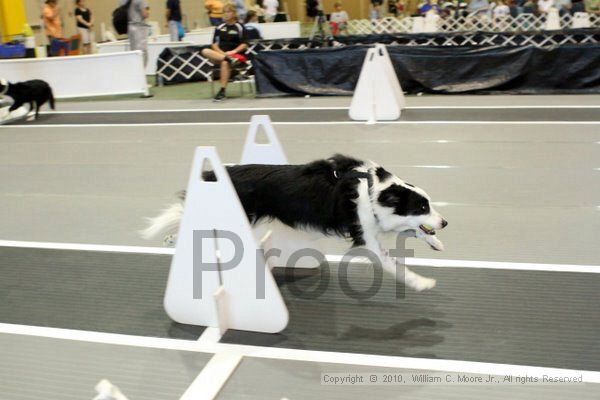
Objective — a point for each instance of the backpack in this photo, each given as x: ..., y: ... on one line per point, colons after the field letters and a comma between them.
x: 120, y: 18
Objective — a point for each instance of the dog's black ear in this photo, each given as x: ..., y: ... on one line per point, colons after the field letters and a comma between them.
x: 318, y: 167
x: 392, y: 196
x: 182, y: 194
x: 342, y: 163
x: 382, y: 174
x: 386, y: 198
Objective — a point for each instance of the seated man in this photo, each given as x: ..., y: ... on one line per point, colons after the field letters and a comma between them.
x: 228, y: 47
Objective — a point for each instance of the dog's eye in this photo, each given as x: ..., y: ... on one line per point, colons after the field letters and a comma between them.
x: 425, y: 207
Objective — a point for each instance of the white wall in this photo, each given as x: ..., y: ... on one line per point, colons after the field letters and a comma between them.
x: 93, y: 75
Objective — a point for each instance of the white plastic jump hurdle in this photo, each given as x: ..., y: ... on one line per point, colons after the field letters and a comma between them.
x: 211, y: 282
x: 378, y: 95
x: 7, y: 116
x: 82, y: 76
x: 282, y: 237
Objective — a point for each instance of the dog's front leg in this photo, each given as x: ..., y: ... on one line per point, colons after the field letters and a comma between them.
x: 370, y: 230
x: 14, y: 106
x: 403, y: 274
x: 431, y: 240
x: 396, y: 268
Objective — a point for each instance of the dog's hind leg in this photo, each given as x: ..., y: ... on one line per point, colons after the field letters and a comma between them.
x: 31, y: 109
x: 37, y: 109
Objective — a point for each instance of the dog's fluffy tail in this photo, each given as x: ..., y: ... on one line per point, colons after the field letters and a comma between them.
x: 51, y: 98
x: 167, y: 221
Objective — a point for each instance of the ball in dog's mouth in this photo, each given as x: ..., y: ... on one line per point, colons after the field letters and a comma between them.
x: 427, y: 229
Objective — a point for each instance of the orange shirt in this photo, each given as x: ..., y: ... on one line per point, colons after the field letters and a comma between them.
x: 52, y: 21
x: 214, y: 8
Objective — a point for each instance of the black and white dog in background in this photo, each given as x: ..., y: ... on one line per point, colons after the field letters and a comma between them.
x: 338, y: 196
x: 35, y: 92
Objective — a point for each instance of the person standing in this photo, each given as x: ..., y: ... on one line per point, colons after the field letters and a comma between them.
x: 174, y: 19
x: 228, y: 47
x: 85, y: 22
x: 479, y: 7
x: 338, y: 19
x: 564, y: 6
x: 312, y: 8
x: 137, y: 28
x: 252, y: 26
x: 375, y: 13
x: 501, y: 11
x: 270, y: 7
x: 577, y: 6
x: 240, y: 8
x: 52, y: 21
x: 214, y: 8
x: 592, y: 7
x: 544, y: 6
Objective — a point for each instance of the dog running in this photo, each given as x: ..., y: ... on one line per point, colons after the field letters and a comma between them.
x: 35, y: 92
x: 340, y: 196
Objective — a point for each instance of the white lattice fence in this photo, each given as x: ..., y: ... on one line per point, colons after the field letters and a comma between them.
x: 487, y: 39
x: 192, y: 66
x: 186, y: 67
x: 522, y: 22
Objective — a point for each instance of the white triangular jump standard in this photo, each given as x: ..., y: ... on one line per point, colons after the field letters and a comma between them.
x: 8, y: 116
x: 202, y: 288
x: 378, y: 95
x: 259, y: 153
x: 283, y: 238
x: 215, y: 280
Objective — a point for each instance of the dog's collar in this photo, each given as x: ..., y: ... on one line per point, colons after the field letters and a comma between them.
x: 361, y: 175
x: 355, y: 174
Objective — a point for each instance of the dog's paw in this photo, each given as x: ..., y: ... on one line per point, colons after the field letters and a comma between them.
x: 435, y: 243
x: 437, y: 248
x: 170, y: 240
x: 424, y: 284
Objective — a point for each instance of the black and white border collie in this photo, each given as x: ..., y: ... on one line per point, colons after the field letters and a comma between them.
x: 36, y: 92
x: 340, y: 196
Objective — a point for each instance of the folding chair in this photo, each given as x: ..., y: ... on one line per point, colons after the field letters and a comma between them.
x: 240, y: 74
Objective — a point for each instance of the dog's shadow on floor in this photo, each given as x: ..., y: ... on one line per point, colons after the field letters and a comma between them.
x: 394, y: 320
x: 414, y: 332
x: 324, y: 317
x: 408, y: 338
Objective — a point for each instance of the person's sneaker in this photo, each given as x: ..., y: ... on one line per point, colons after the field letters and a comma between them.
x: 233, y: 61
x: 220, y: 96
